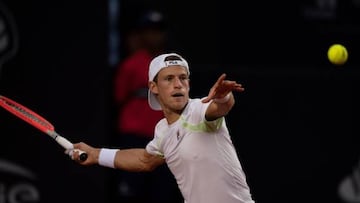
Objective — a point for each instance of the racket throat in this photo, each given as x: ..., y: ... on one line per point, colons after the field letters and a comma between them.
x: 52, y: 134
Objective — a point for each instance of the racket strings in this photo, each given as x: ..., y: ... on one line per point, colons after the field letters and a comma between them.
x: 25, y: 112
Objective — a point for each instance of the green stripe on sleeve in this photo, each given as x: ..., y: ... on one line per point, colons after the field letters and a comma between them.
x: 205, y: 126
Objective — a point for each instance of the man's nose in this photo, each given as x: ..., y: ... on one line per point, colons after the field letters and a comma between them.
x: 177, y: 82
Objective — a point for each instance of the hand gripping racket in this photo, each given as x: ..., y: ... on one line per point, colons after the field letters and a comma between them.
x: 40, y: 123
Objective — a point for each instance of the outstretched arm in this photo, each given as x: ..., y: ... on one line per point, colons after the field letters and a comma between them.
x: 222, y: 98
x: 134, y: 160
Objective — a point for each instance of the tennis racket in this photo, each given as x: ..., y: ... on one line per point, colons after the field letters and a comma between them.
x: 40, y: 123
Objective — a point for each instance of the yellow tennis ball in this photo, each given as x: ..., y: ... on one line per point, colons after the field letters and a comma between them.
x: 337, y: 54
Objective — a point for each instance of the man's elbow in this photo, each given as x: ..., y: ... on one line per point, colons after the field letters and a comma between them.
x: 150, y: 165
x: 143, y: 168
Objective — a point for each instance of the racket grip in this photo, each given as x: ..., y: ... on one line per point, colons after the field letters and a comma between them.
x: 70, y: 147
x: 64, y: 142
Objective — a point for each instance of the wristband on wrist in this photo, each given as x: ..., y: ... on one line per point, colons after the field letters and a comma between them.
x: 223, y: 100
x: 107, y: 157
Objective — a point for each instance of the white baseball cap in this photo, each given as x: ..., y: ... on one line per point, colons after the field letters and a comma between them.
x: 157, y: 64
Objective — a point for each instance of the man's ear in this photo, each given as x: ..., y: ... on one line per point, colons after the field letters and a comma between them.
x: 153, y: 87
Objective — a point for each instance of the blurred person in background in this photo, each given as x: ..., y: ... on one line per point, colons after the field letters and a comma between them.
x: 135, y: 120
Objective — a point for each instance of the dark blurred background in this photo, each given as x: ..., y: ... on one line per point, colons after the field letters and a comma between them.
x: 295, y: 127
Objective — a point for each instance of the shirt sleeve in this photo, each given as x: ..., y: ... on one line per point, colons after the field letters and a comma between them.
x: 208, y: 126
x: 154, y: 146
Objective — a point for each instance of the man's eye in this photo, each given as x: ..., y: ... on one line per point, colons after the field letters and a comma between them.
x: 184, y: 78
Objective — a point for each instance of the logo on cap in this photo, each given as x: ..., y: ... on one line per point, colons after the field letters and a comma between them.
x: 175, y: 62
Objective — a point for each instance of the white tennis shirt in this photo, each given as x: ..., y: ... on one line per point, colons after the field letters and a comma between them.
x: 201, y: 156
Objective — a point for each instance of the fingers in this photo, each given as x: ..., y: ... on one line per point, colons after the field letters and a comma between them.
x: 73, y: 154
x: 238, y: 87
x: 78, y: 156
x: 76, y: 152
x: 221, y: 78
x: 206, y: 100
x: 227, y: 86
x: 222, y: 87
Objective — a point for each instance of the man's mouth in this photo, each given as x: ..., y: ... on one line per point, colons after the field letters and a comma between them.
x: 178, y: 95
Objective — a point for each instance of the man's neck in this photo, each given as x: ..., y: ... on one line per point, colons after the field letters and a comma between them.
x: 173, y: 115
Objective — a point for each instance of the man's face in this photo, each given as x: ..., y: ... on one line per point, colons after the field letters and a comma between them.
x: 172, y: 87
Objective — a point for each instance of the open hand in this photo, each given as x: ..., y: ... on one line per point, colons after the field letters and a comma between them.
x: 221, y: 88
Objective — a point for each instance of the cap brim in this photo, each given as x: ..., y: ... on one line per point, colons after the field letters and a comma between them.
x: 153, y: 102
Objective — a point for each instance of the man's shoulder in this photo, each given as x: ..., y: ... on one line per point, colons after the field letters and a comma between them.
x: 194, y: 105
x: 195, y: 102
x: 162, y: 122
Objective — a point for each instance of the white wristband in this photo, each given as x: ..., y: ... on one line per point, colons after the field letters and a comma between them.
x: 107, y: 157
x: 224, y: 99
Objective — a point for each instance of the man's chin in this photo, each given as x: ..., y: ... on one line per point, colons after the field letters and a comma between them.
x: 179, y: 106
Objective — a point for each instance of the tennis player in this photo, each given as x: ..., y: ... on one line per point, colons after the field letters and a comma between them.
x: 192, y: 139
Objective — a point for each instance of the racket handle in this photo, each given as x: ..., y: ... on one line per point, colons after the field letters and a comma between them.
x: 70, y: 147
x: 82, y: 156
x: 64, y: 142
